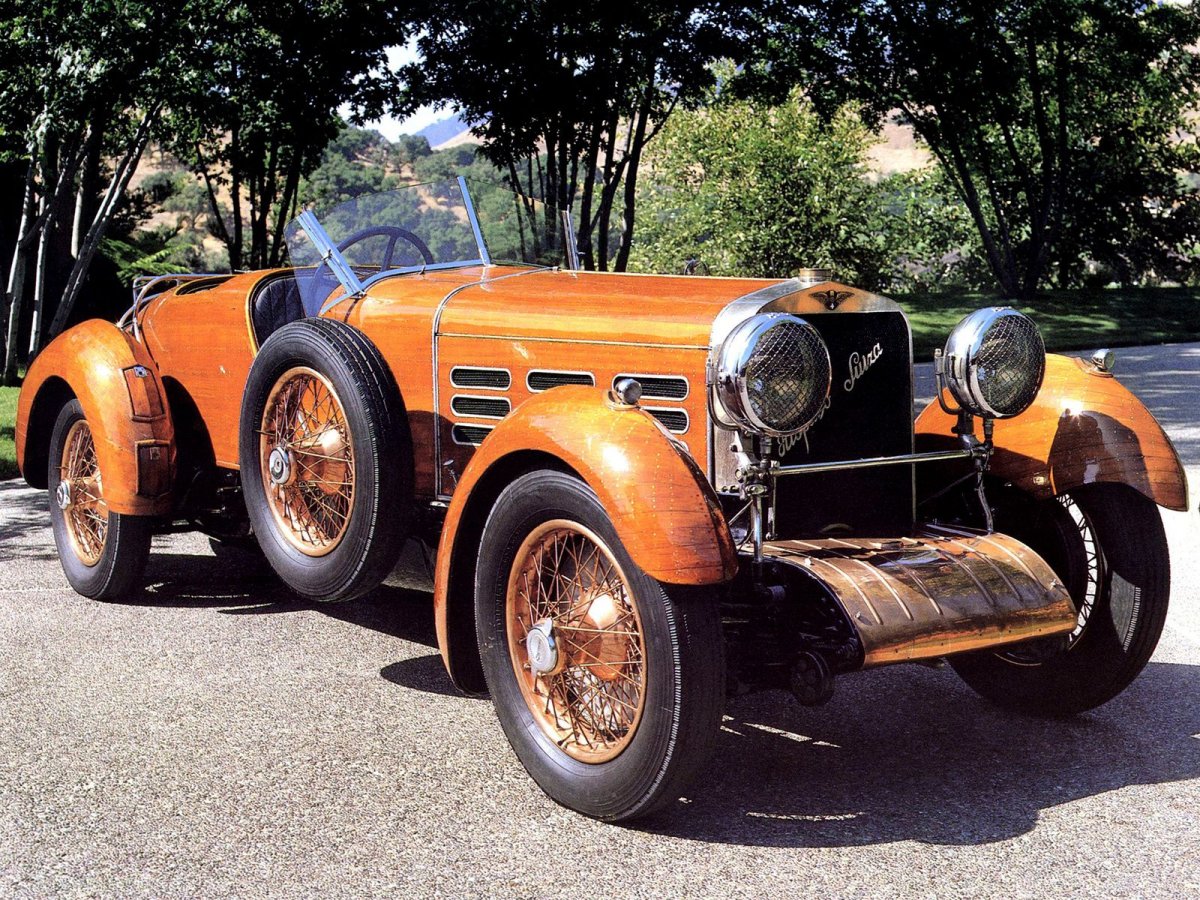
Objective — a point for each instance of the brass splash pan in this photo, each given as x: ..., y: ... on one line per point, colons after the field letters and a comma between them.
x: 944, y: 591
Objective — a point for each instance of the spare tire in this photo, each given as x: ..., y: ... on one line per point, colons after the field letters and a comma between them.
x: 326, y: 460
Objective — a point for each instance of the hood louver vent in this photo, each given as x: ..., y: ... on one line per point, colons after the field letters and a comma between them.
x: 543, y: 380
x: 659, y: 387
x: 674, y: 420
x: 490, y: 379
x: 480, y: 407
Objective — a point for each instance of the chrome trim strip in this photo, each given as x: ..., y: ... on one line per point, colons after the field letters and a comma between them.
x: 687, y: 420
x: 687, y: 384
x: 871, y: 462
x: 552, y: 372
x: 525, y: 338
x: 480, y: 387
x: 492, y: 399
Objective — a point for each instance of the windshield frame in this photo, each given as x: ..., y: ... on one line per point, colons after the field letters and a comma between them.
x: 352, y: 285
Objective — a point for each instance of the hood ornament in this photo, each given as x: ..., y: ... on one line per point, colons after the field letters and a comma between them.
x: 832, y: 299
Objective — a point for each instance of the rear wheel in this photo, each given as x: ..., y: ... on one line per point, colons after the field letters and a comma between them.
x: 103, y: 553
x: 1108, y: 545
x: 326, y: 460
x: 608, y: 684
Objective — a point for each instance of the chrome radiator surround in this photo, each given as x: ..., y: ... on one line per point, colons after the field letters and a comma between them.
x: 945, y: 591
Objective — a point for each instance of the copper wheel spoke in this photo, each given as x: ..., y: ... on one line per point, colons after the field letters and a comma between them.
x: 303, y: 418
x: 86, y: 516
x: 591, y: 703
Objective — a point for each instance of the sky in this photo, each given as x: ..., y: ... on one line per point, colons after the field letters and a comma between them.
x: 390, y: 127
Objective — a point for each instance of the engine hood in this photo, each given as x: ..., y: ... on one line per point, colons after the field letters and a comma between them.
x: 675, y: 311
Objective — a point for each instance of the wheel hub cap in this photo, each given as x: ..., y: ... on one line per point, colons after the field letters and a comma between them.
x: 280, y: 466
x: 62, y: 495
x: 542, y: 648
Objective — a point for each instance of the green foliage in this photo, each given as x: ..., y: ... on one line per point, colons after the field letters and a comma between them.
x: 760, y: 190
x: 8, y: 419
x: 1061, y: 124
x: 931, y: 243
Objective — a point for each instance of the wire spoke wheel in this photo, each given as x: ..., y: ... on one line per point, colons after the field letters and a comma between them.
x: 80, y: 494
x: 307, y: 461
x: 583, y: 673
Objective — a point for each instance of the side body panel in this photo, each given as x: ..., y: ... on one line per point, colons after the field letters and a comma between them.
x: 1084, y: 428
x: 662, y: 506
x: 118, y: 386
x: 204, y: 342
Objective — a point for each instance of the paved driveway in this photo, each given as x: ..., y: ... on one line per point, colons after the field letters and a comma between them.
x: 220, y: 739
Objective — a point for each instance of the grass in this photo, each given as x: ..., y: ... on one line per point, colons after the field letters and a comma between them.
x: 1069, y: 320
x: 8, y: 418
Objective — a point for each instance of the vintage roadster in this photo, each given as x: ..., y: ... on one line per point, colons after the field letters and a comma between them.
x: 645, y: 492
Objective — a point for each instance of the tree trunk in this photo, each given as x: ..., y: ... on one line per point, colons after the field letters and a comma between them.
x: 631, y: 173
x: 116, y: 190
x: 15, y: 291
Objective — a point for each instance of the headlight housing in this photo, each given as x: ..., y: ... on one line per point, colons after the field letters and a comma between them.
x: 994, y: 362
x: 772, y: 375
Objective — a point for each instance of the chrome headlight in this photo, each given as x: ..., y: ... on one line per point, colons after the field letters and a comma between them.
x: 772, y: 375
x: 994, y: 362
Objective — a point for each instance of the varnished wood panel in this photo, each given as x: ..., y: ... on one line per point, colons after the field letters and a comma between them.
x: 94, y: 359
x: 204, y: 342
x: 1084, y: 428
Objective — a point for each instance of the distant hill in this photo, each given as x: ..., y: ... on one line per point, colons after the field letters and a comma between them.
x: 443, y: 131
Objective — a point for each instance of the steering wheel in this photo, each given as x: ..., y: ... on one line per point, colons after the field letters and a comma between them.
x: 393, y: 233
x: 315, y: 295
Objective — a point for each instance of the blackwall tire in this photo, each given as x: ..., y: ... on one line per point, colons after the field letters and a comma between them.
x: 646, y: 671
x: 335, y: 527
x: 103, y: 553
x: 1108, y: 545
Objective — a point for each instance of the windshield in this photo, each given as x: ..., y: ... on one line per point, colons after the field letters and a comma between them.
x: 417, y: 228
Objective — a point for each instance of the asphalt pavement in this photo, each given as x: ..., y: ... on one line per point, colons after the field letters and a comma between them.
x: 218, y: 738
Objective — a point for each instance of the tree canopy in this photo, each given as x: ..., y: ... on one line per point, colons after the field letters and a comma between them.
x: 1062, y: 124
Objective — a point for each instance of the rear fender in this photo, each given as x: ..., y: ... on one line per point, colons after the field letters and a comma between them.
x: 1085, y: 427
x: 662, y: 506
x: 118, y: 385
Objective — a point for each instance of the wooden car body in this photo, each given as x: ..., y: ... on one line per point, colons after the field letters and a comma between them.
x: 496, y: 363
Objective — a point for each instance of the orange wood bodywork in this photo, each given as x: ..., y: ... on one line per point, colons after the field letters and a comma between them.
x: 204, y: 343
x: 662, y: 506
x: 131, y: 425
x: 1084, y: 428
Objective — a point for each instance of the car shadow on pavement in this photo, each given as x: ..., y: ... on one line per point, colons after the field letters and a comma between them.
x: 242, y: 584
x: 912, y: 754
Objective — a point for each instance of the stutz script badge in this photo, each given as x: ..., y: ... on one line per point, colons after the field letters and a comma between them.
x: 831, y: 299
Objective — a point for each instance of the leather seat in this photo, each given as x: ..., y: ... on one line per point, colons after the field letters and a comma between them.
x: 277, y: 303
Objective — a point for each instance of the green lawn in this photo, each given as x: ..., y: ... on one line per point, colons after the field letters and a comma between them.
x: 1070, y: 320
x: 8, y: 415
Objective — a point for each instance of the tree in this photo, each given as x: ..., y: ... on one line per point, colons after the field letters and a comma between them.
x: 760, y: 190
x: 270, y: 105
x: 1058, y: 122
x: 566, y: 96
x: 82, y: 90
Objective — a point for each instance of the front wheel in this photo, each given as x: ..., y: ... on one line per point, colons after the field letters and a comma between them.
x: 608, y: 684
x: 103, y: 553
x: 1108, y: 545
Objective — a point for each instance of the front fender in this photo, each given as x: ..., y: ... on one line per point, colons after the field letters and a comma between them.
x: 117, y: 384
x: 663, y: 508
x: 1084, y: 428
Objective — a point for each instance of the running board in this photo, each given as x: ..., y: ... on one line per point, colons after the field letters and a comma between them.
x: 948, y: 590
